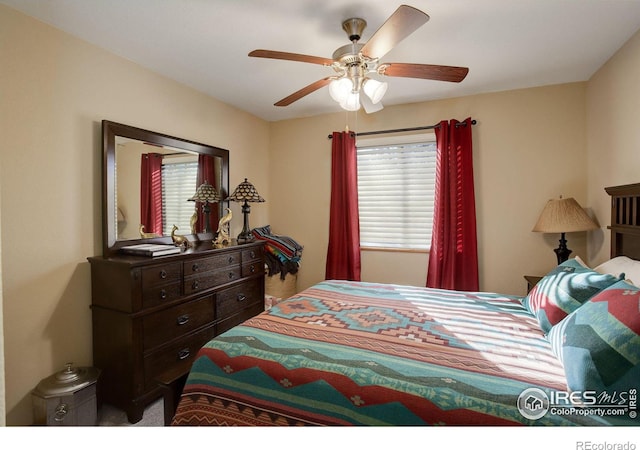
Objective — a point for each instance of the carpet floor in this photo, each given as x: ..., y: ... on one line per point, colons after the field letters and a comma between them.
x: 110, y: 416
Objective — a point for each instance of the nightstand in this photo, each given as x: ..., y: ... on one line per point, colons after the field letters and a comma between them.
x: 531, y: 281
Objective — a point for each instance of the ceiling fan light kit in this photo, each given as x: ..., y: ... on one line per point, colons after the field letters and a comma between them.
x: 340, y: 88
x: 354, y: 63
x: 351, y: 102
x: 375, y: 89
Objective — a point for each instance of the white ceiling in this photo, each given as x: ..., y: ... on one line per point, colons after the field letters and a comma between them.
x: 506, y: 44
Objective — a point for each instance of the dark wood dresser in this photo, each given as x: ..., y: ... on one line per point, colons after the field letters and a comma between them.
x: 152, y: 315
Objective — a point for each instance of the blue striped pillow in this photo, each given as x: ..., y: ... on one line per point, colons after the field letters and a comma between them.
x: 599, y: 343
x: 563, y: 290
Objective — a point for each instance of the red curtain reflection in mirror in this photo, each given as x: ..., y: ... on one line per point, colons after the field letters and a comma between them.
x: 151, y: 193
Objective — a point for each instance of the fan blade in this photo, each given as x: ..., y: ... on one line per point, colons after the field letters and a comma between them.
x: 304, y: 91
x: 425, y: 71
x: 404, y: 21
x: 291, y: 57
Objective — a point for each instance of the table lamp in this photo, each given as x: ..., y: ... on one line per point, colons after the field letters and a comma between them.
x: 205, y: 194
x: 245, y: 193
x: 563, y: 215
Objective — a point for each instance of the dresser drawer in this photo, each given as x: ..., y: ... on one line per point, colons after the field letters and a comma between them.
x: 177, y: 321
x: 252, y: 254
x: 233, y: 300
x: 164, y: 274
x: 177, y: 356
x: 252, y: 268
x: 199, y: 283
x: 217, y: 262
x: 158, y: 295
x: 245, y: 314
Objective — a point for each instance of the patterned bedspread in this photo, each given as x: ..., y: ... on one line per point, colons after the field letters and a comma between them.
x: 346, y: 353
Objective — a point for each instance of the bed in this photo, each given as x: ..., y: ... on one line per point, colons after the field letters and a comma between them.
x: 357, y: 353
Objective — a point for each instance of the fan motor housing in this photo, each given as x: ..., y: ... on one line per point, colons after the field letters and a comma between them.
x: 354, y: 28
x: 348, y: 54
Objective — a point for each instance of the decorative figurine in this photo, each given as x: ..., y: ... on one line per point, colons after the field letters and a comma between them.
x: 194, y: 219
x: 179, y: 240
x: 223, y: 237
x: 144, y: 235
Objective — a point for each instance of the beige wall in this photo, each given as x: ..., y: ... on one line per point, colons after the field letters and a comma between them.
x: 55, y: 91
x: 2, y: 382
x: 528, y: 147
x: 613, y: 136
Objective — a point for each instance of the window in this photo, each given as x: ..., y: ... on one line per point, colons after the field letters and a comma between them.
x: 396, y: 183
x: 179, y: 177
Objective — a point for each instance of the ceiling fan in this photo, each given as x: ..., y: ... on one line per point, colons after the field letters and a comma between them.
x: 355, y: 62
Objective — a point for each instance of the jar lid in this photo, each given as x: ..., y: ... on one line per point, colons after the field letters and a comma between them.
x: 69, y: 380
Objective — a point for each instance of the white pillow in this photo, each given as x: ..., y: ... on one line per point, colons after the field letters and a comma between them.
x: 581, y: 262
x: 621, y: 264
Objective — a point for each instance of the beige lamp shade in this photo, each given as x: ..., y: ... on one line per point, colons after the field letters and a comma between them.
x: 563, y: 215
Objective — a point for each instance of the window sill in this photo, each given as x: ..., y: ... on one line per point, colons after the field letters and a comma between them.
x: 393, y: 249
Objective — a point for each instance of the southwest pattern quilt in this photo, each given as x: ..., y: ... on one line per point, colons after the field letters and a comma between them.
x: 353, y: 353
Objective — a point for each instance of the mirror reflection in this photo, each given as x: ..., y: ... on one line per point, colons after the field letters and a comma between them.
x: 154, y: 188
x: 150, y: 181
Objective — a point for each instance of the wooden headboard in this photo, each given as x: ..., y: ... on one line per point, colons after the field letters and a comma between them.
x: 625, y: 220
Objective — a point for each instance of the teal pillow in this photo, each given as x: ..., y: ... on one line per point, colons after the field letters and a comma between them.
x: 599, y: 343
x: 564, y: 290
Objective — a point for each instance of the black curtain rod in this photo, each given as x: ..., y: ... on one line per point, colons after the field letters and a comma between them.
x: 403, y: 130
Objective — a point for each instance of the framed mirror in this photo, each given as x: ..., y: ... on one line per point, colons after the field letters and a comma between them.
x: 149, y: 187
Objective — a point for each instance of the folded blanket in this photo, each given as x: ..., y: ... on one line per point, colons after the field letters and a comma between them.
x: 275, y: 266
x: 283, y: 246
x: 282, y: 252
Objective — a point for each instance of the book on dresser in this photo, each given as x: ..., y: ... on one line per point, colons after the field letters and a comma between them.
x: 150, y: 249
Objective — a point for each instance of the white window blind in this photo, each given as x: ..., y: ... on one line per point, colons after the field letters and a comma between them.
x: 178, y: 185
x: 395, y: 194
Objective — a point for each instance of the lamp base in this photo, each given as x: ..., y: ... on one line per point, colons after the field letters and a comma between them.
x: 562, y: 252
x: 246, y: 235
x: 245, y: 239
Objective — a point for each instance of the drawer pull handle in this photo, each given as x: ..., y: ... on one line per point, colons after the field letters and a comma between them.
x: 183, y: 354
x: 195, y: 285
x: 163, y: 294
x: 253, y: 254
x: 241, y: 297
x: 61, y: 412
x: 195, y: 267
x: 230, y: 260
x: 231, y: 275
x: 163, y: 274
x: 252, y: 269
x: 182, y: 320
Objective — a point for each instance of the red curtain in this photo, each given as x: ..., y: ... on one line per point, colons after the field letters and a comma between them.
x: 343, y: 253
x: 453, y: 259
x: 151, y: 193
x: 207, y: 172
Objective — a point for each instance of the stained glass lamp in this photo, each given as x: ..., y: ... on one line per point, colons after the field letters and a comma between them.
x: 245, y: 193
x: 206, y: 194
